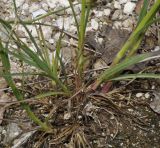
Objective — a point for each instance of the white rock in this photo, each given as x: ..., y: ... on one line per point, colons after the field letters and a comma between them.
x: 66, y: 22
x: 67, y: 116
x: 57, y: 3
x: 80, y: 117
x: 99, y: 64
x: 126, y: 23
x: 147, y: 95
x: 59, y: 22
x: 157, y: 48
x: 44, y: 6
x: 117, y: 25
x: 51, y: 3
x: 100, y: 40
x: 19, y: 2
x: 99, y: 14
x: 69, y: 11
x: 138, y: 95
x: 47, y: 31
x: 94, y: 24
x: 32, y: 29
x: 34, y: 7
x: 51, y: 41
x: 12, y: 131
x: 77, y: 9
x: 88, y: 29
x: 117, y: 5
x: 107, y: 12
x: 25, y: 6
x: 129, y: 7
x: 123, y: 1
x: 72, y: 29
x: 38, y: 13
x: 130, y: 110
x: 117, y: 15
x: 153, y: 87
x: 63, y: 3
x: 56, y: 36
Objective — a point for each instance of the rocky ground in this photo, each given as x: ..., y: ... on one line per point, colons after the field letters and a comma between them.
x: 126, y: 117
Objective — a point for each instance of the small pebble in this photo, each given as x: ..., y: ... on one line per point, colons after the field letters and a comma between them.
x: 100, y: 40
x: 157, y: 48
x: 117, y: 15
x: 117, y: 5
x: 51, y: 41
x: 103, y: 134
x: 67, y: 116
x: 138, y: 95
x: 34, y: 7
x: 19, y: 2
x: 45, y: 6
x: 94, y: 24
x: 117, y: 24
x: 147, y: 95
x: 107, y: 12
x: 153, y: 87
x: 123, y: 1
x: 79, y: 117
x: 25, y: 6
x: 130, y: 110
x: 98, y: 13
x: 129, y: 7
x: 38, y: 13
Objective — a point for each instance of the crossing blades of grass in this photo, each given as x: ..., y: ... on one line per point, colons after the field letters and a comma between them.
x: 16, y: 92
x: 137, y: 33
x: 131, y: 45
x: 117, y: 69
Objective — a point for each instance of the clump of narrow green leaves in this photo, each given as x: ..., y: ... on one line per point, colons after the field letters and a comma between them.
x: 81, y: 30
x: 130, y: 48
x: 40, y: 58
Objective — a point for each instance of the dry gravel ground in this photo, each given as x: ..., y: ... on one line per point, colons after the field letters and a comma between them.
x: 127, y: 116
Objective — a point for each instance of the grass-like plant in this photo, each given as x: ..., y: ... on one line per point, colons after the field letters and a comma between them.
x: 40, y: 58
x: 131, y: 46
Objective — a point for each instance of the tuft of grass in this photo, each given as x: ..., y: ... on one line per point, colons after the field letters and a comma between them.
x: 40, y: 58
x: 16, y: 92
x: 81, y: 29
x: 131, y: 46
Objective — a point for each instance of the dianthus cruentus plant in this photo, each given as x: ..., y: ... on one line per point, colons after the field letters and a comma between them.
x: 40, y: 58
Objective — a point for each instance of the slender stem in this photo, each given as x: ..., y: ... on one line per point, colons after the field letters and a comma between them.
x: 83, y: 23
x: 74, y: 15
